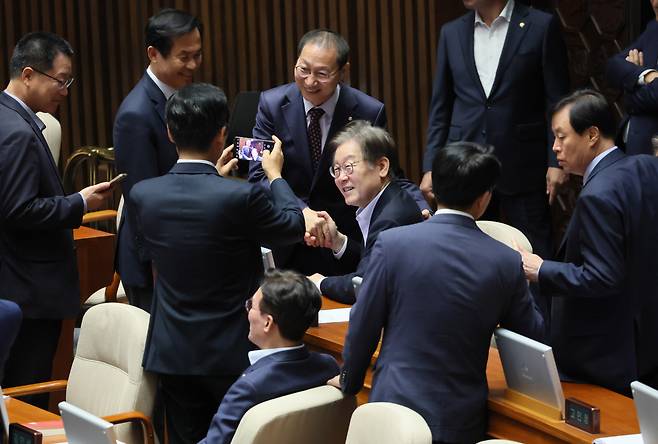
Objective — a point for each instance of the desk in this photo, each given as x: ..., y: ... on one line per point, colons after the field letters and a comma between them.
x: 22, y: 412
x: 95, y: 253
x: 507, y: 420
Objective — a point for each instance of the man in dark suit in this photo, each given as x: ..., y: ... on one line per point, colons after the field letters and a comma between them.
x: 143, y: 150
x: 439, y: 289
x: 500, y: 69
x: 202, y: 234
x: 604, y: 309
x: 634, y: 71
x: 305, y: 115
x: 38, y: 266
x: 363, y: 173
x: 279, y: 314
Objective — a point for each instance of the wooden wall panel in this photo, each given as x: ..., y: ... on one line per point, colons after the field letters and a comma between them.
x: 248, y: 45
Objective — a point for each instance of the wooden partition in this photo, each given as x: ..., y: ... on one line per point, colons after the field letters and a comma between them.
x: 248, y: 45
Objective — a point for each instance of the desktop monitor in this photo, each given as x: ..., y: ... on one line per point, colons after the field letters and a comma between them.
x: 84, y: 428
x: 646, y: 405
x: 530, y: 369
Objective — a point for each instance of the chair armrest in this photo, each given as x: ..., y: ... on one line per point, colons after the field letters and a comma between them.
x: 96, y: 216
x: 134, y: 416
x: 35, y: 389
x: 111, y: 290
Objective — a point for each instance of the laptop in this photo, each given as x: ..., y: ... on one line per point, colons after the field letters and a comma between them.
x: 529, y: 368
x: 84, y: 428
x: 646, y: 406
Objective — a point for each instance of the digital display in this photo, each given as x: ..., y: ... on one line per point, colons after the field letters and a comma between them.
x: 582, y: 415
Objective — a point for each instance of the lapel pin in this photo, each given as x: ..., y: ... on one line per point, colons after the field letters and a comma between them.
x: 521, y: 24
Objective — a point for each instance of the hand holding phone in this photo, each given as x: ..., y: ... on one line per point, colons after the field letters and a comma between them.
x: 246, y: 148
x: 117, y: 180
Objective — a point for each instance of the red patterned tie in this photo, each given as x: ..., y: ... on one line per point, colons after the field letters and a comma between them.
x: 315, y: 136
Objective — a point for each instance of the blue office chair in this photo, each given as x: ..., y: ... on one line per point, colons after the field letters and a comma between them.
x: 10, y: 321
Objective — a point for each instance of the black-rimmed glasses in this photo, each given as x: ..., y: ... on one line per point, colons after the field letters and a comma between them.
x: 62, y: 84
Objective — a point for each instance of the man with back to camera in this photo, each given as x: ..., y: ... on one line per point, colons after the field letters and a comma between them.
x: 279, y: 313
x: 38, y: 265
x: 202, y: 234
x: 305, y: 115
x: 446, y: 280
x: 363, y: 172
x: 143, y: 150
x: 604, y: 310
x: 499, y: 71
x: 634, y: 71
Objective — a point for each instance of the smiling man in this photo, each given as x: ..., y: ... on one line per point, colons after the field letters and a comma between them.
x: 38, y: 267
x: 305, y: 115
x: 143, y: 150
x: 603, y: 290
x: 363, y: 173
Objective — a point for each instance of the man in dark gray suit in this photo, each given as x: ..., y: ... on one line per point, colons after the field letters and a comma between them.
x: 438, y: 290
x: 202, y: 234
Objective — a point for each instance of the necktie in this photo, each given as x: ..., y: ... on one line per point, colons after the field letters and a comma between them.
x: 315, y: 135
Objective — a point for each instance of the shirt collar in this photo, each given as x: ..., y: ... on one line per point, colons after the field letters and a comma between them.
x: 506, y: 14
x: 363, y: 215
x: 167, y: 90
x: 451, y: 211
x: 207, y: 162
x: 595, y: 162
x: 32, y: 114
x: 329, y: 105
x: 257, y: 355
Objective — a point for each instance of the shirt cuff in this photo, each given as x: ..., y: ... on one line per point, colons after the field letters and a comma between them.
x: 319, y: 284
x: 640, y: 79
x: 338, y: 254
x: 84, y: 202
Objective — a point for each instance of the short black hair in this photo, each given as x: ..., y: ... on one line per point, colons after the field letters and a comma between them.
x: 37, y: 50
x: 375, y: 143
x: 292, y: 300
x: 195, y: 114
x: 588, y: 108
x: 462, y: 172
x: 166, y: 25
x: 326, y: 38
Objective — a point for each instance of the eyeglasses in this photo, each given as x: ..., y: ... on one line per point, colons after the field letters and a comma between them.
x: 335, y: 171
x: 62, y: 84
x: 321, y: 76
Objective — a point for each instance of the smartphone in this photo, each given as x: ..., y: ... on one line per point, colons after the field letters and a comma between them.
x: 117, y: 180
x: 246, y: 148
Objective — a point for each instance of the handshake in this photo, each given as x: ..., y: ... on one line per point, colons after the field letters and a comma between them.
x: 321, y: 230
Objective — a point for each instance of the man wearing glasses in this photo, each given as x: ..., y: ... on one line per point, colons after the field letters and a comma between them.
x: 305, y: 115
x: 143, y: 150
x: 38, y: 267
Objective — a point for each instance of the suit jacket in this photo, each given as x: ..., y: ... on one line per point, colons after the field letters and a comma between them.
x: 603, y: 323
x: 143, y: 150
x: 394, y: 208
x: 10, y: 322
x: 38, y: 266
x: 438, y: 289
x: 273, y: 376
x: 641, y: 101
x: 203, y: 234
x: 532, y: 76
x: 281, y: 112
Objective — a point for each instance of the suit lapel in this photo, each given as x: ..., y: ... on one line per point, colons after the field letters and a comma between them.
x: 515, y: 33
x: 157, y: 97
x: 295, y: 117
x: 466, y: 39
x: 13, y: 104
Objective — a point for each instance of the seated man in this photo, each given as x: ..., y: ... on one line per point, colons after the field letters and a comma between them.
x: 363, y: 170
x: 279, y: 314
x: 440, y: 288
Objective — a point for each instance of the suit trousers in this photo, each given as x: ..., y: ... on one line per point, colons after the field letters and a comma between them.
x: 140, y: 297
x: 31, y: 357
x: 190, y: 402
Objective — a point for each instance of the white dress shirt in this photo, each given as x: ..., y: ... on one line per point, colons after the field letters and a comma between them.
x: 167, y: 90
x: 451, y: 211
x: 329, y: 106
x: 488, y: 42
x: 257, y: 355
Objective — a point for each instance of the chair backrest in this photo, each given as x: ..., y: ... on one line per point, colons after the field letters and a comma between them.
x: 387, y: 423
x: 107, y: 375
x: 505, y: 233
x: 10, y: 321
x: 52, y: 134
x: 319, y: 415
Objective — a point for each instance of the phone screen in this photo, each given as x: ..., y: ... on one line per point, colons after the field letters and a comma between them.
x: 246, y: 148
